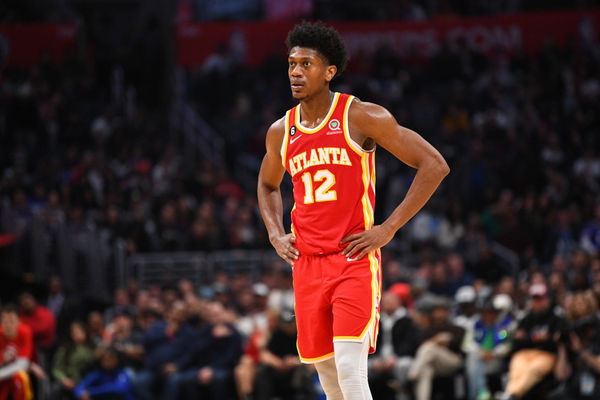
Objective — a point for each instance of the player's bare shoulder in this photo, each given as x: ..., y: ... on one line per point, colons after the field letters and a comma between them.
x: 275, y: 135
x: 368, y: 120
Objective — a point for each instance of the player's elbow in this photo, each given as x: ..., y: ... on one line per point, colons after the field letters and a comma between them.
x: 440, y: 166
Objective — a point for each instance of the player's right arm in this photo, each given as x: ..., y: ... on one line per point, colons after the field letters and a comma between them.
x: 269, y: 195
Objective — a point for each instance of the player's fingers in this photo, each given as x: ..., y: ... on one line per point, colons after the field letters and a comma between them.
x: 288, y: 259
x: 348, y: 248
x: 285, y: 254
x: 350, y: 238
x: 358, y: 241
x: 356, y: 247
x: 292, y: 251
x: 363, y: 253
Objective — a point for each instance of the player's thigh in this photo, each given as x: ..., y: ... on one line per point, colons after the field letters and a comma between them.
x: 355, y: 301
x: 313, y: 311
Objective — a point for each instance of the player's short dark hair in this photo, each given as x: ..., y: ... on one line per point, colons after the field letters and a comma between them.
x: 325, y: 39
x: 10, y: 308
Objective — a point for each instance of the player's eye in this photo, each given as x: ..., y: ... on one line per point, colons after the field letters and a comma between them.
x: 291, y: 63
x: 306, y: 63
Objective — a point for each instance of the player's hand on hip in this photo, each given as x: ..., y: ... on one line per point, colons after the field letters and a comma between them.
x: 362, y: 243
x: 284, y: 245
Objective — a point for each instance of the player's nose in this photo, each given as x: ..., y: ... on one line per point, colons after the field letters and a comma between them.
x: 296, y: 70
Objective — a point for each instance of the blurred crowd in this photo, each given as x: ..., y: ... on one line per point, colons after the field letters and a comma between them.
x: 533, y: 338
x: 412, y: 10
x: 249, y: 10
x: 491, y: 290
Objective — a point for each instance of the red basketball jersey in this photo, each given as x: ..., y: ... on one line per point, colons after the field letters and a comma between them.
x: 19, y: 346
x: 333, y: 177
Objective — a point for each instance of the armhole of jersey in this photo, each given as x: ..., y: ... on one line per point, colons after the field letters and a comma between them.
x: 353, y: 145
x: 284, y: 142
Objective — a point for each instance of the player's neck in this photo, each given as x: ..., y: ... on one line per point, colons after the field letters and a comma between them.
x: 315, y: 108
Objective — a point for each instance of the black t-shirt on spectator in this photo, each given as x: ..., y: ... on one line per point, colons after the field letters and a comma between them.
x: 282, y: 344
x: 542, y: 331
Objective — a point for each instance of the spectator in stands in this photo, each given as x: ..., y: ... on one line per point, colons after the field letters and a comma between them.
x: 590, y: 234
x: 457, y: 274
x: 147, y: 318
x: 281, y: 373
x: 40, y: 320
x: 466, y: 312
x: 56, y: 296
x: 215, y: 355
x: 492, y: 332
x: 121, y: 305
x: 71, y: 361
x: 167, y: 347
x: 397, y: 344
x: 245, y: 371
x: 281, y: 296
x: 65, y: 308
x: 108, y: 382
x: 535, y: 346
x: 254, y: 315
x: 122, y: 335
x: 583, y: 342
x: 439, y: 352
x: 16, y: 349
x: 95, y: 328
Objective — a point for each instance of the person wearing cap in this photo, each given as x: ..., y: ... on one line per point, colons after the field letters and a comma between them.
x: 492, y: 332
x: 535, y: 346
x: 466, y: 314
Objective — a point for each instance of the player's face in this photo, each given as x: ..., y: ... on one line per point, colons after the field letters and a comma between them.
x: 309, y: 72
x: 10, y: 323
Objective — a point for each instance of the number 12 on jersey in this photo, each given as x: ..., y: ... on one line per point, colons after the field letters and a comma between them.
x: 323, y: 192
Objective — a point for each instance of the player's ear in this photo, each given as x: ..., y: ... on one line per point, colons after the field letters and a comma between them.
x: 330, y: 72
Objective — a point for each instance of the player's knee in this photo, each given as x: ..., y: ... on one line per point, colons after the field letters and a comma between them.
x: 347, y: 367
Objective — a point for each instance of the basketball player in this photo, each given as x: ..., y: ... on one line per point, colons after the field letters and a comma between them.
x: 327, y: 144
x: 16, y: 346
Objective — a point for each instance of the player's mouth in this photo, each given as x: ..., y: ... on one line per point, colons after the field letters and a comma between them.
x: 297, y: 86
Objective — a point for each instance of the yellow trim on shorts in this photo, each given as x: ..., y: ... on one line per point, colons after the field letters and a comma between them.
x: 315, y: 359
x: 27, y: 390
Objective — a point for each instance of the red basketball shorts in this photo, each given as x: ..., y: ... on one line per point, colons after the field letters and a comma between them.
x: 17, y: 387
x: 337, y: 299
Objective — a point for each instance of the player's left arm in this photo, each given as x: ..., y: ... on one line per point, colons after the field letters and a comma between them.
x: 369, y: 123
